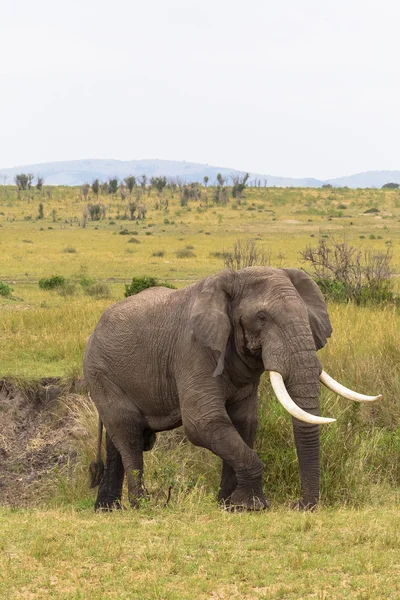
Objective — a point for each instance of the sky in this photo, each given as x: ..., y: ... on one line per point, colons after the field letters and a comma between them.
x: 288, y: 88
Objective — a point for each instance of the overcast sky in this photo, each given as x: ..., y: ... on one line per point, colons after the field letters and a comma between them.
x: 284, y: 87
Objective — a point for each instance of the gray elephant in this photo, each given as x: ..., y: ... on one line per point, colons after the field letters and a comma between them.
x: 194, y: 356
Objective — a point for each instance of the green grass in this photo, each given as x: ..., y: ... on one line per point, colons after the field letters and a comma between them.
x: 191, y: 549
x: 198, y: 552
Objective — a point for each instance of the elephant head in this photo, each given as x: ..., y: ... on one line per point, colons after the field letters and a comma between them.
x: 274, y: 320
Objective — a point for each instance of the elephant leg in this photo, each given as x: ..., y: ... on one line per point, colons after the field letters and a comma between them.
x: 207, y: 424
x: 244, y: 417
x: 132, y: 458
x: 110, y: 489
x: 125, y: 426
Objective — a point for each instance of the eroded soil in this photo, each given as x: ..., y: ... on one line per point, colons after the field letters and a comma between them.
x: 36, y: 438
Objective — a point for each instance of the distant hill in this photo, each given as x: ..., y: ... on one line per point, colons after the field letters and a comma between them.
x: 77, y: 172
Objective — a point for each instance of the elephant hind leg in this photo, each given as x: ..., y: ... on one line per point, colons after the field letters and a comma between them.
x: 110, y: 490
x: 125, y: 426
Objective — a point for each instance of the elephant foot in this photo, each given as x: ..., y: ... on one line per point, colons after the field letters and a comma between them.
x: 224, y: 496
x: 107, y: 505
x: 243, y: 499
x: 301, y: 506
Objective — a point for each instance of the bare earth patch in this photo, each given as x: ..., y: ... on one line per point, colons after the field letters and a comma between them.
x: 35, y: 437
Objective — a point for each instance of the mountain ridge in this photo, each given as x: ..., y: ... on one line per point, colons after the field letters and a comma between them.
x: 77, y: 172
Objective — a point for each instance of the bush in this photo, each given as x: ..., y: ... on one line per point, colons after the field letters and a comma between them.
x: 70, y: 250
x: 133, y: 240
x: 158, y: 253
x: 124, y: 232
x: 246, y: 253
x: 51, y: 283
x: 68, y: 289
x: 345, y: 274
x: 185, y: 253
x: 5, y: 290
x: 138, y: 284
x: 98, y: 290
x: 220, y: 255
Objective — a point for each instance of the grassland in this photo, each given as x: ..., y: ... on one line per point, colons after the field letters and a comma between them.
x: 190, y: 549
x: 200, y: 554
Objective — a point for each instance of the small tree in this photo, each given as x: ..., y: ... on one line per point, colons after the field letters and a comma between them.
x: 95, y: 211
x: 205, y: 180
x: 85, y: 190
x: 130, y: 183
x: 96, y: 187
x: 113, y: 185
x: 142, y: 210
x: 21, y: 181
x: 105, y: 188
x: 159, y: 183
x: 132, y: 209
x: 39, y: 183
x: 220, y: 180
x: 41, y: 211
x: 143, y: 182
x: 239, y: 184
x: 122, y: 191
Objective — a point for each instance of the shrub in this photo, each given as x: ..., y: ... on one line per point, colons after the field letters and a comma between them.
x: 5, y: 290
x: 133, y: 240
x: 185, y: 253
x: 95, y: 211
x: 345, y: 274
x: 98, y: 290
x: 68, y: 289
x: 124, y: 232
x: 218, y: 254
x: 246, y: 253
x: 159, y: 253
x: 371, y: 210
x: 138, y: 284
x: 50, y: 283
x: 70, y: 250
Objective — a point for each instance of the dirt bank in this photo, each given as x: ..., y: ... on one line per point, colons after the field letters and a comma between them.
x: 36, y: 437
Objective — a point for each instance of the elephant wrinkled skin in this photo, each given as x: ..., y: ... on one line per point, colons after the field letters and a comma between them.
x: 194, y: 357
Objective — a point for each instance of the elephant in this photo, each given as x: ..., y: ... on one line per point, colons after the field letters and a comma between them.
x: 194, y: 357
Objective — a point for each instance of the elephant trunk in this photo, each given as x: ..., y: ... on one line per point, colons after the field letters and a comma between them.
x: 300, y: 373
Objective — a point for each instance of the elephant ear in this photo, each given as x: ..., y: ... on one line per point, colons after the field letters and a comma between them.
x: 314, y: 300
x: 209, y: 320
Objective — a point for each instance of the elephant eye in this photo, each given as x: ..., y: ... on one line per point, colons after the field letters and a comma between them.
x: 261, y: 317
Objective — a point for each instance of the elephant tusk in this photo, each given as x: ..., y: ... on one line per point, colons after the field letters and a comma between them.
x: 338, y: 388
x: 292, y: 408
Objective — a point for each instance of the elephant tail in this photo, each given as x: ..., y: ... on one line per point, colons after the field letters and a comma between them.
x: 96, y: 468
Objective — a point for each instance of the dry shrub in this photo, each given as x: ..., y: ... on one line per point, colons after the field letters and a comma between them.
x: 344, y: 273
x: 246, y: 253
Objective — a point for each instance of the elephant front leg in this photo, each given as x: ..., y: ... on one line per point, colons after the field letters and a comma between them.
x: 308, y: 452
x: 244, y: 417
x: 207, y: 424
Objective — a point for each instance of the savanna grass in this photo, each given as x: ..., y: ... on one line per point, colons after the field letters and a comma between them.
x: 178, y: 545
